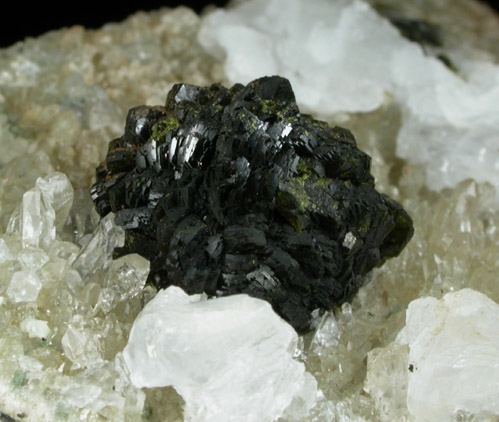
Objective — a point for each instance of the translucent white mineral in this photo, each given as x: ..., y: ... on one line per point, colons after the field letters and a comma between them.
x: 81, y: 347
x: 5, y: 252
x: 24, y: 287
x: 35, y: 328
x: 44, y: 208
x: 386, y: 381
x: 97, y: 254
x: 451, y: 364
x: 341, y: 56
x: 230, y: 358
x: 33, y: 258
x: 127, y: 276
x: 326, y: 335
x: 454, y: 350
x: 57, y: 191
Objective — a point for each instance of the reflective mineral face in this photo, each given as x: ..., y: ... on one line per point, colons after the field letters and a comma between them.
x: 231, y: 191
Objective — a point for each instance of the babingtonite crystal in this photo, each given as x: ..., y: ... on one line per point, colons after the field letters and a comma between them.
x: 235, y: 191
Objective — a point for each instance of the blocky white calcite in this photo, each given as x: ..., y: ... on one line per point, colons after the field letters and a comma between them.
x: 230, y: 358
x: 454, y: 353
x: 341, y: 56
x: 444, y: 364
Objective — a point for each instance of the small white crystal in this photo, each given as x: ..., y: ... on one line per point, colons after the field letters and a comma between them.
x: 35, y: 328
x: 230, y: 358
x: 74, y: 280
x: 107, y: 300
x: 24, y: 287
x: 81, y: 396
x: 349, y: 241
x: 454, y: 356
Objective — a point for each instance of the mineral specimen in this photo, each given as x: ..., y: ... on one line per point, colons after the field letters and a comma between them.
x: 451, y: 369
x: 65, y: 94
x: 230, y: 358
x: 234, y: 191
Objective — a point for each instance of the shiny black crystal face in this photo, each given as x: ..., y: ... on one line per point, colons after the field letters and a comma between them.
x: 231, y: 191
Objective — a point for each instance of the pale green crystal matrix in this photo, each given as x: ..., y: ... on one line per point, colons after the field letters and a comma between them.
x: 63, y: 97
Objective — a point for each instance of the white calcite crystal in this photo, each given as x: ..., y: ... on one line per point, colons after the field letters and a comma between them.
x: 444, y: 363
x: 230, y: 358
x: 35, y: 328
x: 454, y: 353
x: 341, y: 56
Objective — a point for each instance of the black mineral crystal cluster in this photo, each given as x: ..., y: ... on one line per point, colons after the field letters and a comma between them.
x: 234, y: 190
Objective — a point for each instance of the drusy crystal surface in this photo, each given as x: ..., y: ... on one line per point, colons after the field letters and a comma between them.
x: 234, y: 191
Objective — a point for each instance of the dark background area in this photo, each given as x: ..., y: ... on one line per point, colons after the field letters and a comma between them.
x: 31, y: 20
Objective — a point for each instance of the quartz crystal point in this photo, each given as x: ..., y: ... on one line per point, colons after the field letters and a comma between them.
x: 232, y: 191
x: 44, y: 209
x: 230, y: 358
x: 97, y: 254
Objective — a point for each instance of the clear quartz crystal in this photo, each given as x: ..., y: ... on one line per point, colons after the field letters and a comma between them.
x: 77, y: 322
x: 386, y: 381
x: 5, y: 252
x: 98, y: 252
x: 24, y: 287
x: 127, y: 276
x: 57, y: 191
x: 81, y: 347
x: 33, y: 258
x: 326, y: 335
x: 43, y: 208
x: 37, y: 220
